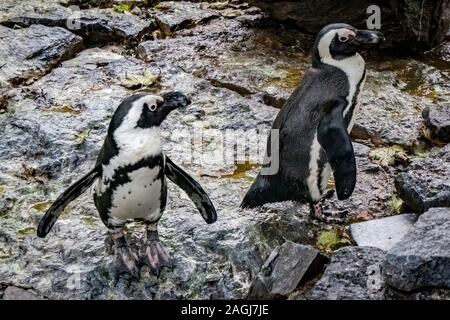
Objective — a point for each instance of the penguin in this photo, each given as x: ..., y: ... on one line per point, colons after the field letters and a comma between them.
x: 129, y: 180
x: 314, y: 124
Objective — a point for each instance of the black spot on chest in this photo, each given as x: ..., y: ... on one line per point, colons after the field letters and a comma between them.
x: 121, y: 174
x: 120, y: 177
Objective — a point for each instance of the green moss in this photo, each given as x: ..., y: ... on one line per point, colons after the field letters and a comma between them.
x: 122, y: 7
x: 42, y: 206
x: 330, y: 240
x: 25, y: 231
x: 90, y: 221
x: 396, y: 203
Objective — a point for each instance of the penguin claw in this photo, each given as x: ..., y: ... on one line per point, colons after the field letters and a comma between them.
x: 326, y: 216
x: 125, y: 262
x: 155, y: 256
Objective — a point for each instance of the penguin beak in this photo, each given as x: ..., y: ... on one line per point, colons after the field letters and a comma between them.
x: 175, y: 100
x: 368, y: 37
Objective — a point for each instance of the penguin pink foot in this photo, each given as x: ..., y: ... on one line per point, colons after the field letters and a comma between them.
x: 124, y: 259
x: 152, y: 253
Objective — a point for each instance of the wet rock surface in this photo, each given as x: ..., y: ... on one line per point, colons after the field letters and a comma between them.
x: 422, y: 258
x: 287, y: 266
x: 392, y: 115
x: 382, y: 233
x: 353, y: 273
x: 357, y: 273
x: 14, y: 293
x: 226, y: 53
x: 95, y: 25
x: 399, y: 20
x: 237, y: 67
x: 425, y: 183
x: 32, y: 52
x: 438, y: 120
x: 175, y: 15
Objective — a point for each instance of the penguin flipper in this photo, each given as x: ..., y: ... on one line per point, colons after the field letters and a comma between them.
x: 334, y: 139
x: 73, y: 192
x: 193, y: 190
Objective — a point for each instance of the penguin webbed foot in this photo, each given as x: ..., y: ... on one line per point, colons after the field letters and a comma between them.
x: 327, y: 216
x: 153, y: 254
x: 125, y: 260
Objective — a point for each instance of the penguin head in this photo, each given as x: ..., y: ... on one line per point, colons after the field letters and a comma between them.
x: 145, y: 110
x: 338, y: 41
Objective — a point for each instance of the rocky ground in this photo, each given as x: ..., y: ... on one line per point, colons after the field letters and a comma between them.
x: 60, y: 83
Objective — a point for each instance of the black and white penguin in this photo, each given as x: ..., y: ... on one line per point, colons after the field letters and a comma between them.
x: 315, y: 122
x: 130, y: 182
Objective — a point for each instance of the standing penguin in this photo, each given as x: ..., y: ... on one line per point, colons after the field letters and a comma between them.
x: 130, y: 180
x: 315, y: 122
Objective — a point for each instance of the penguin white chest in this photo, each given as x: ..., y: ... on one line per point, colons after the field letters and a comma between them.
x: 354, y: 68
x: 140, y: 198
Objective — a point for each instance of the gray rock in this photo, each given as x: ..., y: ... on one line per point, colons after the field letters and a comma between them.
x: 353, y: 273
x: 14, y: 293
x: 32, y: 52
x: 437, y: 118
x: 60, y: 97
x: 422, y: 258
x: 425, y: 183
x: 390, y: 115
x: 228, y: 53
x: 313, y: 15
x: 175, y: 15
x: 382, y: 233
x: 287, y: 267
x: 96, y: 26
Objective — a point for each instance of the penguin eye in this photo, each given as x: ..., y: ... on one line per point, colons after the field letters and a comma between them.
x: 347, y: 37
x: 151, y: 108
